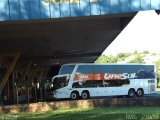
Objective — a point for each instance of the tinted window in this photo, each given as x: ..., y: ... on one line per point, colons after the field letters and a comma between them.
x: 144, y: 74
x: 142, y: 71
x: 67, y: 69
x: 116, y: 83
x: 151, y: 81
x: 100, y: 83
x: 88, y: 84
x: 107, y: 69
x: 85, y: 69
x: 97, y: 69
x: 59, y: 82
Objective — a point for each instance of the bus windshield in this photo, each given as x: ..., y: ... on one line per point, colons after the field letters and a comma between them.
x: 59, y: 82
x: 66, y: 69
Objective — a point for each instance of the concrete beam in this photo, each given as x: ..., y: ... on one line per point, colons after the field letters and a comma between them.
x: 11, y: 66
x: 9, y: 54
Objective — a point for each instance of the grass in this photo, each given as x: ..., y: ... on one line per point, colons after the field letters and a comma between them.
x: 138, y: 113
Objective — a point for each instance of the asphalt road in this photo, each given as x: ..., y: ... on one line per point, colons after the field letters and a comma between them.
x: 152, y: 96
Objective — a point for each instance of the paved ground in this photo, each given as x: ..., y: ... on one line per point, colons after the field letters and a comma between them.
x: 152, y: 96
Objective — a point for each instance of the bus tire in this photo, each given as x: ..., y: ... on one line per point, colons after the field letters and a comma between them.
x: 131, y: 93
x: 85, y: 94
x: 74, y: 95
x: 139, y: 92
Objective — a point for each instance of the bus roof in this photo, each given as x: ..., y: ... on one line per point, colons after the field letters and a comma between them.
x: 105, y: 64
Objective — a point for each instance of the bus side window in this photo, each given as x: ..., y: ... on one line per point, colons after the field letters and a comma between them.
x: 151, y: 81
x: 75, y: 85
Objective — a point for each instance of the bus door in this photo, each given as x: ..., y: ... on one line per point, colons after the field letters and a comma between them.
x: 151, y: 86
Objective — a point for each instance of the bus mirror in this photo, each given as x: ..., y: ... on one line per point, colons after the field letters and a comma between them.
x: 68, y: 77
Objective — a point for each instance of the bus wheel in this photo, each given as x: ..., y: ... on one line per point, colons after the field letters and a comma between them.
x: 85, y: 95
x: 74, y: 95
x: 139, y: 92
x: 131, y: 93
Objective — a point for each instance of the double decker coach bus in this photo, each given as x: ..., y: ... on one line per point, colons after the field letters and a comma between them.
x: 93, y: 80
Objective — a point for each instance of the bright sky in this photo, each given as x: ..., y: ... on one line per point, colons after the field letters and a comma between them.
x: 142, y: 33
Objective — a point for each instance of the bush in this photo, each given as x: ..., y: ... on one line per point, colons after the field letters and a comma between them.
x: 158, y: 83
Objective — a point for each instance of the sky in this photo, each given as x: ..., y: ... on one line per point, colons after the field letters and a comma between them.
x: 142, y: 33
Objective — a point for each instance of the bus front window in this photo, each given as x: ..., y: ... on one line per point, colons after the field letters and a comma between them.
x: 59, y: 82
x: 66, y: 69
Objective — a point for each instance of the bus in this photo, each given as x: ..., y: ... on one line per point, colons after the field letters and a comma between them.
x: 85, y: 80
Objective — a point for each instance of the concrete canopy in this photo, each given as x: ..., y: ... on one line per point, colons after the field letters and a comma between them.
x: 71, y: 40
x: 63, y: 31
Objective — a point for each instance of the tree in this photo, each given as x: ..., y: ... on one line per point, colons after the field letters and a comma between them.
x: 135, y: 52
x: 106, y: 59
x: 153, y: 54
x: 138, y: 59
x: 157, y: 63
x: 145, y: 52
x: 122, y: 56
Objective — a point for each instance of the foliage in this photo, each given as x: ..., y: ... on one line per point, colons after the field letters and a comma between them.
x: 25, y: 84
x: 106, y: 59
x: 157, y: 63
x: 135, y: 52
x: 122, y: 56
x: 137, y: 59
x: 145, y: 52
x: 153, y: 54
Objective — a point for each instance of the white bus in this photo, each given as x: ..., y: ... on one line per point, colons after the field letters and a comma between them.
x: 87, y: 80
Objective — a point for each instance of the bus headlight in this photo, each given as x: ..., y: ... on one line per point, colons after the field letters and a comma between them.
x: 54, y: 92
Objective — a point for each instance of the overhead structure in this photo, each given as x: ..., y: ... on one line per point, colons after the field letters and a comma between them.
x: 50, y: 32
x: 50, y: 42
